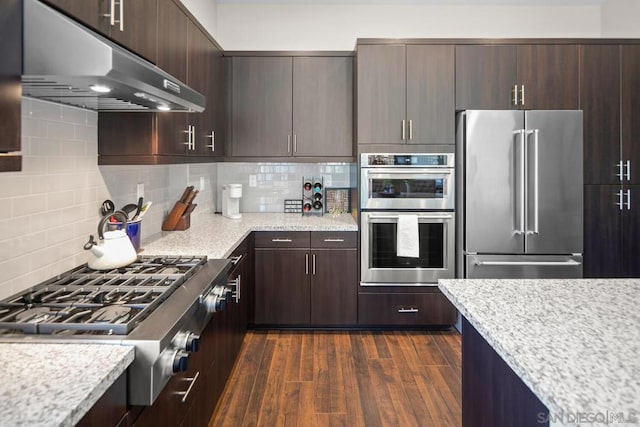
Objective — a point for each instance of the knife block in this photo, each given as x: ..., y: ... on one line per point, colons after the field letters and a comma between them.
x: 184, y: 222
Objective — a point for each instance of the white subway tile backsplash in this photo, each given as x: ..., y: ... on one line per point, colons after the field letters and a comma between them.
x: 14, y: 186
x: 44, y: 257
x: 86, y: 133
x: 43, y: 110
x: 61, y: 130
x: 45, y: 220
x: 73, y: 115
x: 60, y: 200
x: 58, y: 165
x: 27, y: 205
x: 14, y: 267
x: 32, y: 126
x: 45, y: 147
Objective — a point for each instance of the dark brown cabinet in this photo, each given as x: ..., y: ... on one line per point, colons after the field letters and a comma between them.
x: 533, y: 77
x: 304, y: 278
x: 291, y: 107
x: 609, y: 97
x: 132, y: 23
x: 10, y: 85
x: 406, y: 94
x: 186, y: 52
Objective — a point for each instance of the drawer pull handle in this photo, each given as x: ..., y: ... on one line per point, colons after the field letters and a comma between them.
x: 281, y: 240
x: 185, y: 394
x: 334, y: 240
x: 236, y: 259
x: 408, y: 310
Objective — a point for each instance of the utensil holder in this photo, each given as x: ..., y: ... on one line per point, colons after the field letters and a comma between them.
x: 134, y: 231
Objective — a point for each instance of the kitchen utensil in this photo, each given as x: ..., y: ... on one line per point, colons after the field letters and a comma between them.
x: 107, y: 207
x: 115, y: 249
x: 128, y: 209
x: 192, y: 195
x: 144, y: 209
x: 138, y: 208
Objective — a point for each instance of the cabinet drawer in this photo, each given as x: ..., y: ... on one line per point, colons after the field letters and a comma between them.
x: 409, y: 309
x: 282, y: 239
x: 334, y: 239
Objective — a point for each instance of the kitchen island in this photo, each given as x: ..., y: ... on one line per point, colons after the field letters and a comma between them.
x: 57, y: 384
x: 574, y: 344
x: 217, y: 236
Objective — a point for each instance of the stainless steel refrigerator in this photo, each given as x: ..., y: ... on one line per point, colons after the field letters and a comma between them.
x: 521, y: 199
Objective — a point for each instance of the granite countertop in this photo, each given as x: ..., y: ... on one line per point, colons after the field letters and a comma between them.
x: 574, y: 343
x: 217, y: 236
x: 56, y: 384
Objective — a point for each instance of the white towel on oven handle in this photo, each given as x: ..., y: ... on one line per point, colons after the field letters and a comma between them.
x: 407, y: 237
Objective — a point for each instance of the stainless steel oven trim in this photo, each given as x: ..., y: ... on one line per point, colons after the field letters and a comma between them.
x: 447, y: 202
x: 408, y: 277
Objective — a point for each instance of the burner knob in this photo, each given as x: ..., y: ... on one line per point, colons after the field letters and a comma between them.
x: 180, y: 361
x: 214, y: 303
x: 193, y: 343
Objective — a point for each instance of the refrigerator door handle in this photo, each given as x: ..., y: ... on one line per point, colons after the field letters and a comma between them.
x: 521, y: 219
x: 536, y: 184
x: 531, y: 263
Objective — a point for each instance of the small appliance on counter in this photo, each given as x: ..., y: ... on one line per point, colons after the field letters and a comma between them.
x: 231, y: 194
x: 312, y: 196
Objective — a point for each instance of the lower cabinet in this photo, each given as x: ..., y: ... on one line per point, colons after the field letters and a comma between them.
x: 306, y: 278
x: 427, y: 308
x: 111, y: 409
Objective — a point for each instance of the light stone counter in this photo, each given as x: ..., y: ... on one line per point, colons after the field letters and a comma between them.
x: 56, y: 384
x: 217, y: 236
x: 574, y: 343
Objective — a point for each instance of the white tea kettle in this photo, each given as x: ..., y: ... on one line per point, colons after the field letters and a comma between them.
x: 115, y: 249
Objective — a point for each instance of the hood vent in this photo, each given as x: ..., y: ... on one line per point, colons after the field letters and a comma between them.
x: 67, y: 63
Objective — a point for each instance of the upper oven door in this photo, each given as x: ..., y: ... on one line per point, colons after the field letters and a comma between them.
x: 407, y: 188
x: 381, y: 263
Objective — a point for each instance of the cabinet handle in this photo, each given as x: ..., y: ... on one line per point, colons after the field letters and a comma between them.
x: 236, y: 284
x: 191, y: 131
x: 185, y: 394
x: 628, y: 172
x: 212, y: 135
x: 408, y: 310
x: 515, y: 95
x: 522, y: 95
x: 334, y: 240
x: 313, y: 265
x: 281, y: 240
x: 288, y: 143
x: 306, y: 264
x: 403, y: 129
x: 620, y: 173
x: 121, y: 15
x: 236, y: 259
x: 295, y: 143
x: 112, y: 13
x: 620, y: 202
x: 628, y: 203
x: 410, y: 129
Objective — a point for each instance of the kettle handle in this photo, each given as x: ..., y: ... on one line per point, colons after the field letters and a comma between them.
x: 116, y: 214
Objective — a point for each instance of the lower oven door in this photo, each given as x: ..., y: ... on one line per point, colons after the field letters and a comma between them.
x: 382, y: 266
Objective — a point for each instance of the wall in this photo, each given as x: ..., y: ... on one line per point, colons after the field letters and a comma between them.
x: 259, y: 26
x: 276, y: 182
x: 205, y: 11
x: 51, y: 206
x: 620, y: 18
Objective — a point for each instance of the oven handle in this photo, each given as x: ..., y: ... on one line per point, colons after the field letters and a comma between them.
x: 531, y: 263
x: 432, y: 216
x: 443, y: 171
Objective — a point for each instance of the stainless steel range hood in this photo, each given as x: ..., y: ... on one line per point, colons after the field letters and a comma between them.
x: 65, y: 62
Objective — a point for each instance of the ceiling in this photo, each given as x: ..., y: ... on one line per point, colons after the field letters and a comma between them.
x: 434, y: 2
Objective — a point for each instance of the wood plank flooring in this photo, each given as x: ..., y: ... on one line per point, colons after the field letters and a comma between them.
x: 350, y: 378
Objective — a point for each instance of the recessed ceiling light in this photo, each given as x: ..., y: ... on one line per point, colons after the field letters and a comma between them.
x: 100, y: 88
x: 164, y: 107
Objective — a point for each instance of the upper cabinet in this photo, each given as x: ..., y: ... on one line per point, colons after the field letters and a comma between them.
x: 405, y: 94
x: 189, y: 54
x: 131, y: 23
x: 291, y: 107
x: 540, y: 77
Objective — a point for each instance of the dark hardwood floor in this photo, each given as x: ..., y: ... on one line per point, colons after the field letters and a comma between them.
x: 357, y: 378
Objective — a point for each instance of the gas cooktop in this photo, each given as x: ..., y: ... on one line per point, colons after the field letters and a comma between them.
x: 86, y: 301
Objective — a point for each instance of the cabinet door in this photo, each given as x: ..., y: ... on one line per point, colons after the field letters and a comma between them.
x: 172, y: 39
x: 430, y: 94
x: 602, y: 231
x: 485, y: 77
x: 600, y: 103
x: 282, y: 286
x: 381, y: 86
x: 550, y: 77
x: 139, y: 27
x: 262, y: 106
x: 631, y: 109
x: 200, y: 77
x: 334, y: 287
x: 631, y: 233
x: 322, y: 106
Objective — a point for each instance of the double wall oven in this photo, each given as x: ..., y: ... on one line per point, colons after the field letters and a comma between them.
x: 398, y: 188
